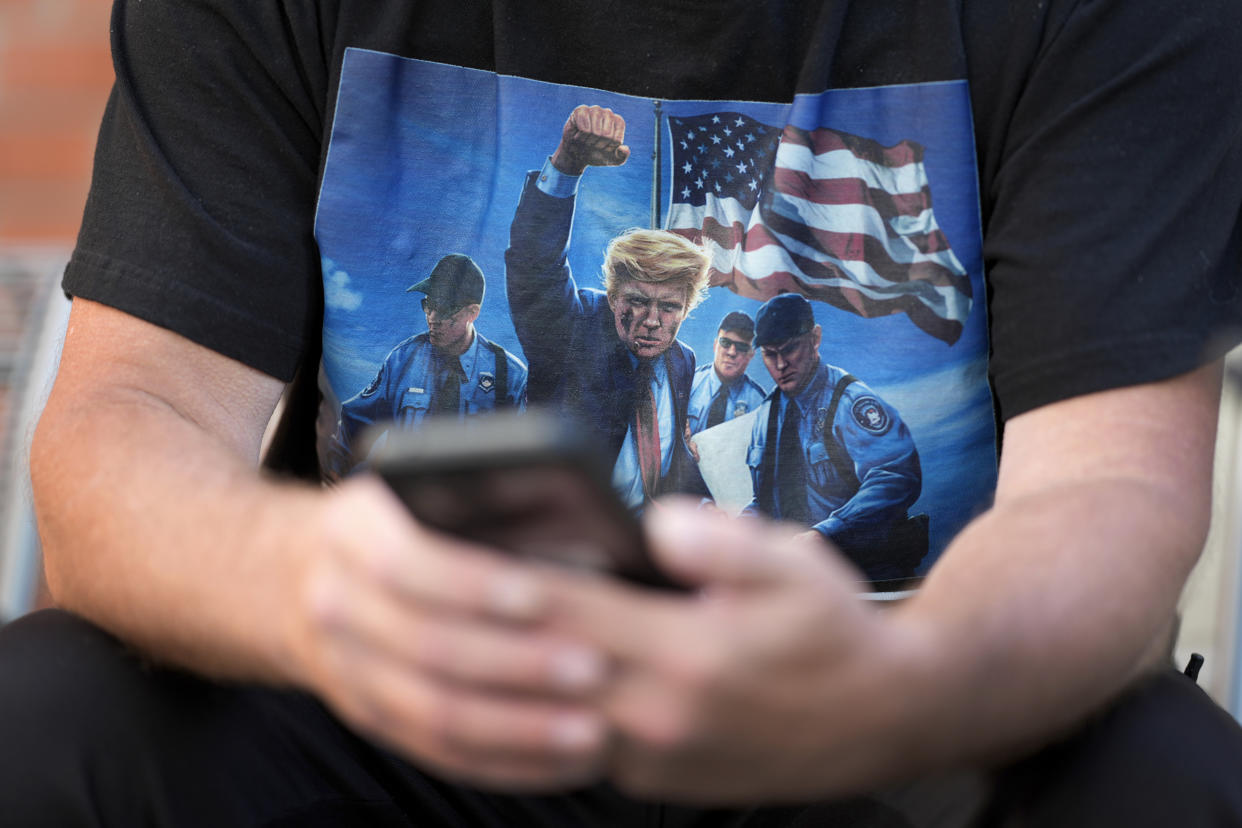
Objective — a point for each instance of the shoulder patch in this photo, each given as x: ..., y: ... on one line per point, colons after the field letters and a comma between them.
x: 375, y: 384
x: 487, y: 382
x: 870, y: 414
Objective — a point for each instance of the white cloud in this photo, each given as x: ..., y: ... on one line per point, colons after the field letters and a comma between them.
x: 336, y: 292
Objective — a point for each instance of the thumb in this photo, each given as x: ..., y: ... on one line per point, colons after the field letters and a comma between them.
x: 621, y: 154
x: 707, y: 548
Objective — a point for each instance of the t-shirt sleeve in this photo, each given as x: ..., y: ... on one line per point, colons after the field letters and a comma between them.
x: 1112, y: 217
x: 202, y: 200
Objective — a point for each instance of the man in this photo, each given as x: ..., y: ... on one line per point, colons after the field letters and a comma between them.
x: 437, y: 683
x: 611, y: 356
x: 827, y: 452
x: 450, y: 369
x: 722, y: 391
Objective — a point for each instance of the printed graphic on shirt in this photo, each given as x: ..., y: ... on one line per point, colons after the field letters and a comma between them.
x: 778, y: 306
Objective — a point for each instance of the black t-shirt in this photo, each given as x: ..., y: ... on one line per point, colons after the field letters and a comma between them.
x: 1102, y: 187
x: 1107, y: 135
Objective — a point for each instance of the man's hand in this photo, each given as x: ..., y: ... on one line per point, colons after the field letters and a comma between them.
x: 438, y: 650
x: 594, y: 136
x: 693, y: 446
x: 157, y: 526
x: 752, y: 690
x: 776, y: 682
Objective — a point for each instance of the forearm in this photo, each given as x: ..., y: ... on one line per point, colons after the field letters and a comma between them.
x: 1028, y: 627
x: 542, y: 293
x: 1053, y: 601
x: 167, y: 535
x: 882, y: 499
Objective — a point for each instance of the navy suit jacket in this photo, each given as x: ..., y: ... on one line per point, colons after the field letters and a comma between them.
x: 569, y: 337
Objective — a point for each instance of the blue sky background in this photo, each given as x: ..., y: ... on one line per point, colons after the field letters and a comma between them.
x: 428, y: 159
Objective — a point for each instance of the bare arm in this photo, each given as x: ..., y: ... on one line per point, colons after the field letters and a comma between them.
x: 146, y: 439
x: 157, y: 526
x: 1073, y: 577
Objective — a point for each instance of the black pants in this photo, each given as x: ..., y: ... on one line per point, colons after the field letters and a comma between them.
x: 91, y: 735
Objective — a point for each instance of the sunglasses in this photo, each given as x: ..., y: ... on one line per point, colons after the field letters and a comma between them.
x: 726, y: 343
x: 439, y: 310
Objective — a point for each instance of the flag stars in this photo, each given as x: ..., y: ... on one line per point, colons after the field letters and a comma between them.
x: 723, y: 155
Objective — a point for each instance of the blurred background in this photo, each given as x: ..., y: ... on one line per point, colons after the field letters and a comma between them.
x: 55, y: 74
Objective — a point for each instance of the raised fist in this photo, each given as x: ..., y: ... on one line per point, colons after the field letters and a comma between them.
x: 593, y: 136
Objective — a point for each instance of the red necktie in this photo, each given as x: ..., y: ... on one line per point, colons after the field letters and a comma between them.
x: 647, y: 431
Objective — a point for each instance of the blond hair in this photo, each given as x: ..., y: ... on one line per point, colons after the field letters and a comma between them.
x: 656, y: 256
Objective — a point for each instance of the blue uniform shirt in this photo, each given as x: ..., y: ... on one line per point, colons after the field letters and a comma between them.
x: 745, y: 395
x: 403, y: 389
x: 873, y: 439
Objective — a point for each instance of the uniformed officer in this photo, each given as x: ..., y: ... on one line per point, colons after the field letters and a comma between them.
x: 721, y: 390
x: 451, y: 369
x: 827, y: 452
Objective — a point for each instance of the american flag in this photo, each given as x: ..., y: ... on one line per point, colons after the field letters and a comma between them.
x: 829, y: 215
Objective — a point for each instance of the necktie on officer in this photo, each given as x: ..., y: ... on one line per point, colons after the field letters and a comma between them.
x: 647, y: 429
x: 720, y: 402
x: 448, y: 395
x: 791, y: 468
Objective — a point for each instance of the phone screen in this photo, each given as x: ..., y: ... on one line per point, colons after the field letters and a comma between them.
x: 519, y: 484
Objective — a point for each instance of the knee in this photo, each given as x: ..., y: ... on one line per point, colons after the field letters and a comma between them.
x: 58, y: 670
x: 71, y: 699
x: 1164, y: 754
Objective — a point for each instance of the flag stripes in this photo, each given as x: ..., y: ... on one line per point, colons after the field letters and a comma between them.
x: 836, y: 217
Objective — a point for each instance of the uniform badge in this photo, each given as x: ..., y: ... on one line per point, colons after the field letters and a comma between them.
x: 487, y: 382
x: 870, y: 414
x: 821, y: 423
x: 375, y: 384
x: 740, y: 409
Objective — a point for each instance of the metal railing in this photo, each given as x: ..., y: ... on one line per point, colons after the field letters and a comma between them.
x: 33, y: 314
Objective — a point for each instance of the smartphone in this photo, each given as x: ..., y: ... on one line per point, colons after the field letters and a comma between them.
x: 532, y: 483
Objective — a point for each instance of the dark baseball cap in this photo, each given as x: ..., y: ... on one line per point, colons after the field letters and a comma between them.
x: 455, y: 281
x: 738, y: 322
x: 781, y: 318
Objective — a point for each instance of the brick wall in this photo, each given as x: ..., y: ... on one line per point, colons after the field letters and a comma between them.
x: 55, y: 73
